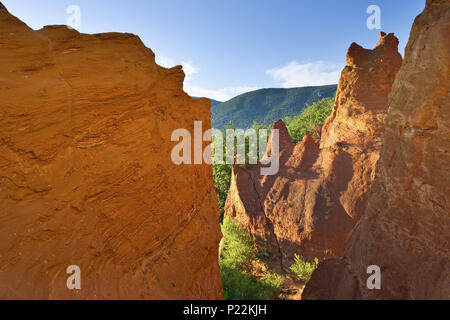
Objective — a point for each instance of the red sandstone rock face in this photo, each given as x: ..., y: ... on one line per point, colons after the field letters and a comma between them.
x: 406, y: 227
x: 320, y: 192
x: 86, y: 176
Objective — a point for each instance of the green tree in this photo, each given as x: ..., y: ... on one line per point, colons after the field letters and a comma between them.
x: 222, y: 172
x: 222, y: 179
x: 311, y: 117
x: 236, y: 263
x: 302, y: 268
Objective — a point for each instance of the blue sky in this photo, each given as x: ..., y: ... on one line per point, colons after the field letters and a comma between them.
x: 229, y: 47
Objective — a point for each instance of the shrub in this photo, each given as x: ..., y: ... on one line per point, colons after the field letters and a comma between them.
x: 311, y: 117
x: 238, y: 248
x: 222, y: 179
x: 222, y: 172
x: 241, y: 286
x: 273, y: 282
x: 238, y: 252
x: 302, y: 268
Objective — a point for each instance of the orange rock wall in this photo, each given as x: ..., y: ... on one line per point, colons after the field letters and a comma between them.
x: 86, y: 176
x: 406, y: 227
x: 320, y: 192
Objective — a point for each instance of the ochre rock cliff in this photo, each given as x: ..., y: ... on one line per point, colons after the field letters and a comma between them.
x: 86, y: 176
x: 321, y: 189
x: 406, y: 227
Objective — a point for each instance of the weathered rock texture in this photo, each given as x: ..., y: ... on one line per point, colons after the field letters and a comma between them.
x: 406, y: 227
x: 321, y: 190
x: 86, y: 176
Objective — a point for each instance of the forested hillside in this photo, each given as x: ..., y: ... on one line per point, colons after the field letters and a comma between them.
x: 266, y: 106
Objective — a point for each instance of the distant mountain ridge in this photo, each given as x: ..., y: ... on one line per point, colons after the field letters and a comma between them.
x: 265, y: 106
x: 215, y: 102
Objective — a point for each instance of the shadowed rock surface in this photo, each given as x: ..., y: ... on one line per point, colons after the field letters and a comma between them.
x: 406, y: 227
x: 86, y: 176
x: 321, y: 189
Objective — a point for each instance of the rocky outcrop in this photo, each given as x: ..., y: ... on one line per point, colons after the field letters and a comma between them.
x: 2, y: 7
x: 86, y: 176
x: 405, y: 229
x: 321, y: 189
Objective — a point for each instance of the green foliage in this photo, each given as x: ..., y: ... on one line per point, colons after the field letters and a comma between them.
x: 238, y: 249
x: 241, y: 286
x: 273, y: 281
x: 222, y: 172
x: 222, y: 177
x: 267, y: 105
x: 222, y: 180
x: 308, y: 121
x: 238, y: 252
x: 302, y: 268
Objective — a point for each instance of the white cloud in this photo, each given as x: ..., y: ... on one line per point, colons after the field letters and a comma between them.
x: 165, y: 62
x: 189, y: 70
x: 295, y: 74
x: 222, y: 94
x: 188, y: 67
